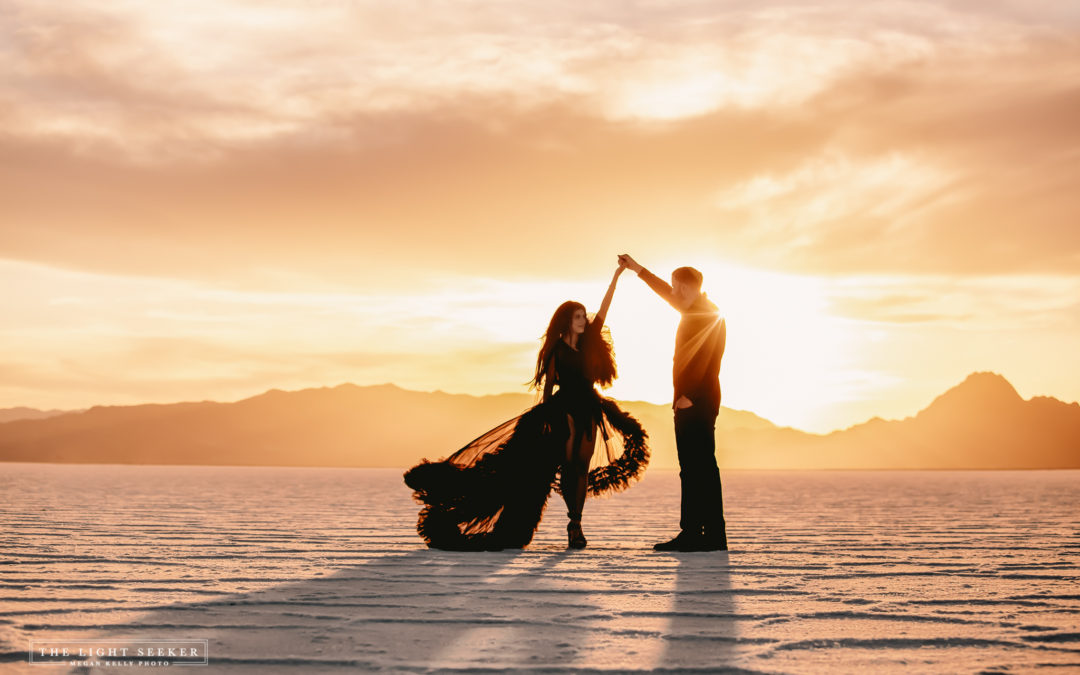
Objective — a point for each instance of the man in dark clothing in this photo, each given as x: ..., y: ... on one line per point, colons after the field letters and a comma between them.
x: 699, y: 347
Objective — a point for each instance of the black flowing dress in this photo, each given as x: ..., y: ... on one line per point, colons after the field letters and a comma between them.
x: 491, y: 494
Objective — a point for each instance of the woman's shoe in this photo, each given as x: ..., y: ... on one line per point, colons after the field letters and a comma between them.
x: 575, y: 535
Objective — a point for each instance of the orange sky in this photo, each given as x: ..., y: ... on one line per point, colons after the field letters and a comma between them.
x: 203, y: 200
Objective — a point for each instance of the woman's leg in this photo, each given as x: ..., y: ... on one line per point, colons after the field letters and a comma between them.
x: 582, y: 457
x: 567, y: 479
x: 575, y: 482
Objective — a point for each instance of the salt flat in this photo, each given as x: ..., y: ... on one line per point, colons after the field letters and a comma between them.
x: 320, y: 570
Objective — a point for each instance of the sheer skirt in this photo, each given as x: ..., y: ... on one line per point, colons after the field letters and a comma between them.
x: 491, y: 494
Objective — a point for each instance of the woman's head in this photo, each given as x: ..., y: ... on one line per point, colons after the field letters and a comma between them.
x: 570, y: 319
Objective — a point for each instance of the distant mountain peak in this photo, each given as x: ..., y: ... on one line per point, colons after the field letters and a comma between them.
x: 987, y: 383
x: 976, y: 394
x: 986, y: 377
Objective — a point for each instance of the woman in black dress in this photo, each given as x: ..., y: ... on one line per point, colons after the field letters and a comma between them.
x: 491, y: 494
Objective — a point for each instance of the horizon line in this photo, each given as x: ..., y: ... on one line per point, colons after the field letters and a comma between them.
x: 57, y: 411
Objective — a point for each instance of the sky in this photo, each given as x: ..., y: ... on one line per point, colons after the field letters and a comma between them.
x: 206, y: 200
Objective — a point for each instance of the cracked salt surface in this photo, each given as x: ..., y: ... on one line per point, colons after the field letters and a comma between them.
x: 320, y: 570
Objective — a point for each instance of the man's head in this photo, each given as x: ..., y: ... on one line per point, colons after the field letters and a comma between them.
x: 686, y: 285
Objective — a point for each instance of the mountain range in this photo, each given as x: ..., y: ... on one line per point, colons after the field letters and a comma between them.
x: 23, y: 413
x: 982, y: 423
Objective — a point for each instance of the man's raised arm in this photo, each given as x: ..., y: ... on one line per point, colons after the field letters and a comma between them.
x: 662, y: 288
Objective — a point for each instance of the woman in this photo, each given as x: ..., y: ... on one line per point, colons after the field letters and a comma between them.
x: 491, y: 494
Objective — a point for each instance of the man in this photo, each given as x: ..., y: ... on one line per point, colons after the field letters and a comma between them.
x: 699, y: 347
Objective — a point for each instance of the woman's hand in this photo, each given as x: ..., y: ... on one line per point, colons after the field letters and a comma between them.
x: 621, y: 268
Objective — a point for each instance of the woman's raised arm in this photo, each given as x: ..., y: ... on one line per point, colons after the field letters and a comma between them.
x: 601, y: 315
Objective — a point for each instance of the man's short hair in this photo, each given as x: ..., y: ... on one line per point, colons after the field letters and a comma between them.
x: 689, y: 276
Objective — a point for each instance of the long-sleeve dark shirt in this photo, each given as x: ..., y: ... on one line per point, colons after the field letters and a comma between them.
x: 699, y: 346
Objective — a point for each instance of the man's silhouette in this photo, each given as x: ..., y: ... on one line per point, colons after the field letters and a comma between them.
x: 699, y: 347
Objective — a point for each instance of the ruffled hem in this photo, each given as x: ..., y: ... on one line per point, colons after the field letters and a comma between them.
x: 625, y: 443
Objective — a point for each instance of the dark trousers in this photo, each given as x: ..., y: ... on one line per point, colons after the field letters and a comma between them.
x: 702, y: 499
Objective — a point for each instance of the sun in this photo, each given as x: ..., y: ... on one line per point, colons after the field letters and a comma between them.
x: 787, y: 358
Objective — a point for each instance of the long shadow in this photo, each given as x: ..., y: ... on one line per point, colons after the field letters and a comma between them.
x: 411, y: 612
x: 398, y: 612
x: 702, y: 634
x: 538, y: 619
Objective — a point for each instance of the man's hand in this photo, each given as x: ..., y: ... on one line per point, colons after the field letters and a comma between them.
x: 683, y: 403
x: 628, y: 262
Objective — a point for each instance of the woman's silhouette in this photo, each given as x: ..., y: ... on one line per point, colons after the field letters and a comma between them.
x: 491, y: 493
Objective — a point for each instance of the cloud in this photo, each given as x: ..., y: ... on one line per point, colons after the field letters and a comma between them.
x: 164, y: 369
x: 990, y: 304
x: 833, y: 202
x: 248, y: 142
x: 77, y: 339
x: 188, y: 77
x: 948, y: 166
x: 552, y: 192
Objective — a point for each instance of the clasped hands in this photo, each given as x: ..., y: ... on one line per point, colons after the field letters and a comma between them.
x: 626, y: 262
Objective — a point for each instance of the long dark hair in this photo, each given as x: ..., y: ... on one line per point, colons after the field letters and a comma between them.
x: 594, y: 343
